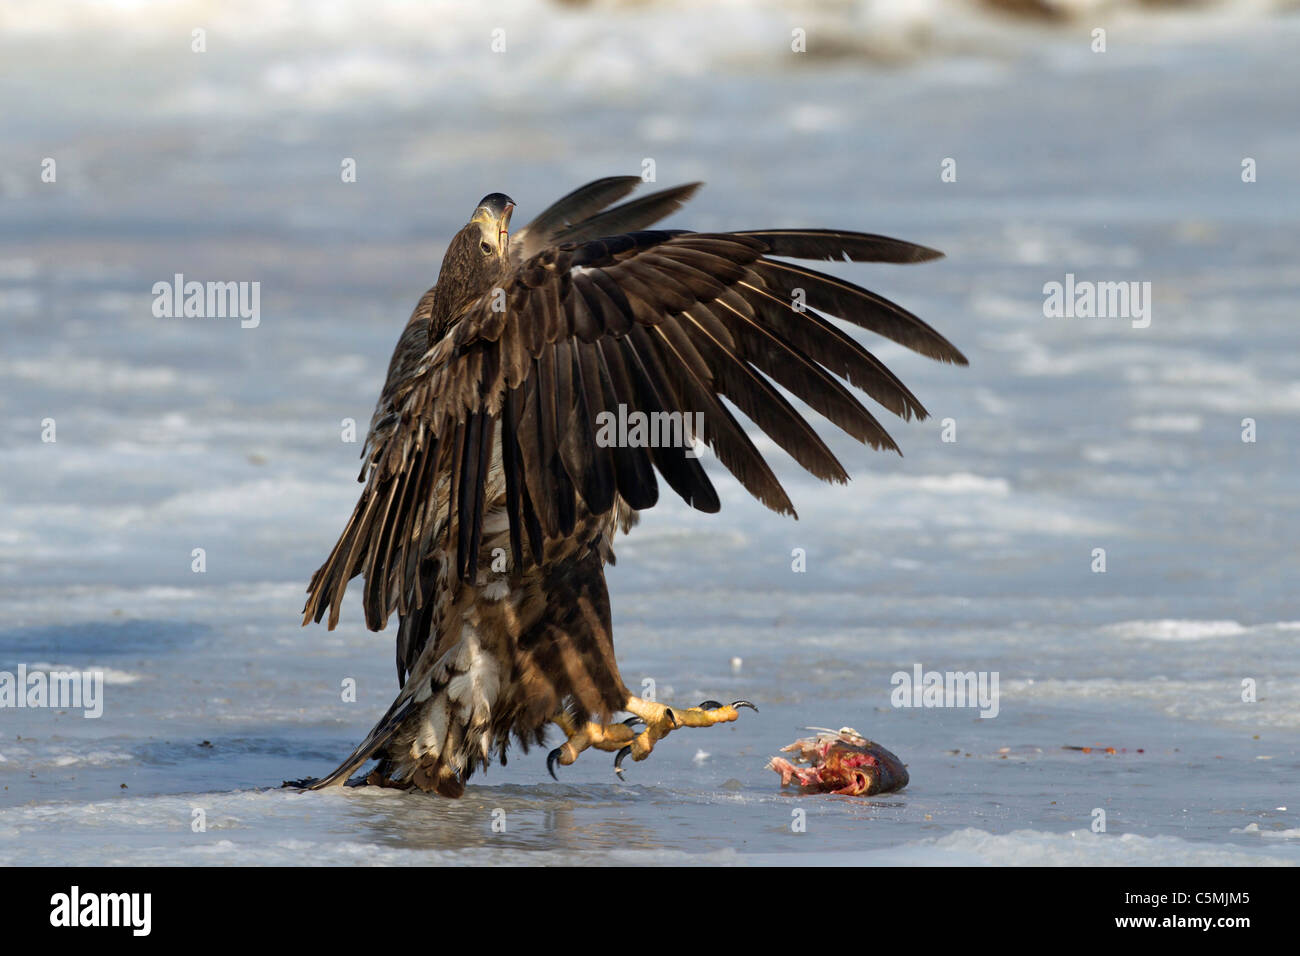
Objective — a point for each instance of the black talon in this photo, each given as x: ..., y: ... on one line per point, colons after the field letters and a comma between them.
x: 710, y: 705
x: 737, y: 704
x: 668, y: 712
x: 633, y: 720
x: 618, y: 761
x: 551, y: 758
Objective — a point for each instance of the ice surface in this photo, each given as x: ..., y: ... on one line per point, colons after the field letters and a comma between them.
x: 977, y: 555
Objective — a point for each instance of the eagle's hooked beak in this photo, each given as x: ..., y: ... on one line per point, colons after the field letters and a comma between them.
x: 493, y: 218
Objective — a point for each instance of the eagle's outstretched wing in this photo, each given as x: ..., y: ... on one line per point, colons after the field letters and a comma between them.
x: 653, y: 321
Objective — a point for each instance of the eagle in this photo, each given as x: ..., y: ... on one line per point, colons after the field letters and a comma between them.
x: 496, y: 481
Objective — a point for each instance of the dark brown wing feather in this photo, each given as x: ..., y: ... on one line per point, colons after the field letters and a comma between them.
x: 583, y: 203
x: 656, y: 321
x: 578, y: 216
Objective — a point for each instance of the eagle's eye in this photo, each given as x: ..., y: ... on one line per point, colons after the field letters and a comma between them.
x: 486, y: 248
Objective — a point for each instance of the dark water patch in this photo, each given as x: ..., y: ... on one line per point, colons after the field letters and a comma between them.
x: 73, y: 643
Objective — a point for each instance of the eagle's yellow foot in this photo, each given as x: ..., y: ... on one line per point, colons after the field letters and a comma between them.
x: 582, y: 736
x: 660, y: 721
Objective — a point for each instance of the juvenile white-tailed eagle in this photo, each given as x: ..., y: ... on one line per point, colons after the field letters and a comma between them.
x: 492, y: 496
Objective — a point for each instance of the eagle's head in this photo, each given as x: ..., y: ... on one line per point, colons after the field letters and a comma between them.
x: 476, y: 259
x: 492, y: 217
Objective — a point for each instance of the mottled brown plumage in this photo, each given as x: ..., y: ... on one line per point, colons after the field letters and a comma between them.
x: 490, y: 504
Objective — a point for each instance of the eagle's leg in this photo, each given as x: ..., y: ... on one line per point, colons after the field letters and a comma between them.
x: 588, y: 734
x: 660, y: 721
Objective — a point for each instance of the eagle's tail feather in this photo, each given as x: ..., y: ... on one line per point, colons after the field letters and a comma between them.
x: 440, y: 726
x: 381, y: 734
